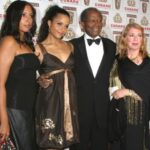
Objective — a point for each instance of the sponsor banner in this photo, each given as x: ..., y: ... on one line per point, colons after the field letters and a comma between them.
x: 116, y: 35
x: 117, y: 4
x: 72, y: 2
x: 103, y: 4
x: 116, y: 14
x: 117, y: 21
x: 131, y: 6
x: 131, y: 18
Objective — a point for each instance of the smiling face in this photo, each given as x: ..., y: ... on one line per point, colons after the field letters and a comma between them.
x: 59, y: 25
x: 26, y: 20
x: 92, y: 24
x: 134, y: 39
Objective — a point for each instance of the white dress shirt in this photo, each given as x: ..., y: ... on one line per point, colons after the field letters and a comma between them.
x: 94, y: 53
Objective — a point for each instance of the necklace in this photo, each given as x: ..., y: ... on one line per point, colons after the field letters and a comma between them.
x: 137, y: 60
x: 134, y: 58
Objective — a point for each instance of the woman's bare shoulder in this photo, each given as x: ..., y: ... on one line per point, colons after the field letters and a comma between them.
x: 8, y: 40
x: 70, y: 46
x: 8, y: 44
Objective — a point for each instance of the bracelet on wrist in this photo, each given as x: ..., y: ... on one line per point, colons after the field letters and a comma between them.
x: 130, y: 92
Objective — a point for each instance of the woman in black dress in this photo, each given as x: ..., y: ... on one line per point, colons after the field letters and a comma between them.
x: 18, y: 66
x: 56, y: 119
x: 131, y: 77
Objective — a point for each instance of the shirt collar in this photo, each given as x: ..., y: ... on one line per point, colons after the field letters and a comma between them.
x: 86, y: 36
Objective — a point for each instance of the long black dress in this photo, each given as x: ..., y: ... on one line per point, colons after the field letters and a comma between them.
x: 137, y: 78
x: 56, y: 119
x: 21, y: 88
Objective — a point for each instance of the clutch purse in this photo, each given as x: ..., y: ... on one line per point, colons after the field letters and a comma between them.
x: 117, y: 119
x: 7, y: 145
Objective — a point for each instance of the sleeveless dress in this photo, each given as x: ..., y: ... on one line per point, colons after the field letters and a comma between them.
x: 21, y: 88
x: 56, y: 117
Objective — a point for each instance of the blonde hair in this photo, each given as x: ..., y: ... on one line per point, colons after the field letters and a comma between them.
x: 122, y: 45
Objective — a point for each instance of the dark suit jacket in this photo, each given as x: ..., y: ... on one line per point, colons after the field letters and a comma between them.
x: 93, y: 95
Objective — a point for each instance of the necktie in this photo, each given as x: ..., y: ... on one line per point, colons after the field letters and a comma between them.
x: 90, y: 41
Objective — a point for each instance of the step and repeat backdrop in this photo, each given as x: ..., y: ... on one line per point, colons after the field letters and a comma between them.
x: 116, y: 14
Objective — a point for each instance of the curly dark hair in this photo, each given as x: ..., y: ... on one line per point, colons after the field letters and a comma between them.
x: 10, y: 26
x: 50, y: 14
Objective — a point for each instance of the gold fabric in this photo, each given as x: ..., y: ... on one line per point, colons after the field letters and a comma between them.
x: 133, y: 101
x: 67, y: 112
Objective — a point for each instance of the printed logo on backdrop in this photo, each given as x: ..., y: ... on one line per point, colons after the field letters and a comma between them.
x: 131, y: 3
x: 131, y: 6
x: 45, y: 0
x: 117, y: 21
x: 70, y: 1
x: 117, y: 4
x: 73, y: 14
x: 131, y: 18
x: 117, y: 18
x: 105, y: 16
x: 144, y: 21
x: 103, y: 4
x: 144, y: 7
x: 119, y: 13
x: 86, y: 2
x: 104, y: 20
x: 116, y: 35
x: 102, y: 0
x: 73, y: 22
x: 70, y: 34
x: 35, y: 4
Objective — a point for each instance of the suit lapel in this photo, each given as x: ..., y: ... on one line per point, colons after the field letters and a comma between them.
x: 103, y: 62
x: 82, y: 49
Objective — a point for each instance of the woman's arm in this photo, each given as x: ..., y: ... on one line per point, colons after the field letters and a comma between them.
x: 120, y: 93
x: 38, y: 53
x: 7, y: 54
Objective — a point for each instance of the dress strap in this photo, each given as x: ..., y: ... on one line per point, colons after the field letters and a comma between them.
x: 44, y: 51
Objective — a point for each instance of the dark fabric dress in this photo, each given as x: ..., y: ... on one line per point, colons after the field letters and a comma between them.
x: 137, y: 78
x: 56, y: 119
x: 21, y: 88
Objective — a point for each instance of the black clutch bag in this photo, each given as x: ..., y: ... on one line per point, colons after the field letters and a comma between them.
x: 117, y: 119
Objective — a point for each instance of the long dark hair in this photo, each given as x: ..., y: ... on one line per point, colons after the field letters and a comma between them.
x: 10, y: 26
x: 50, y: 14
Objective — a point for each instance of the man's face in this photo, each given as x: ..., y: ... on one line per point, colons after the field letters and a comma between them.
x: 92, y: 24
